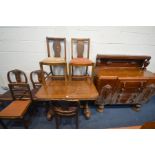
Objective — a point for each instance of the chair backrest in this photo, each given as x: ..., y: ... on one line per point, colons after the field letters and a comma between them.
x: 37, y: 82
x: 16, y: 76
x: 57, y: 45
x: 79, y: 46
x: 20, y: 91
x: 67, y: 107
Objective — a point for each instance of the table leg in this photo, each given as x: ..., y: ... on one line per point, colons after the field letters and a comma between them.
x: 87, y: 111
x: 50, y: 114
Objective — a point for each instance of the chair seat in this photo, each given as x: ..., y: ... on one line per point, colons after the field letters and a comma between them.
x: 81, y: 61
x: 54, y: 60
x: 6, y: 96
x: 16, y: 109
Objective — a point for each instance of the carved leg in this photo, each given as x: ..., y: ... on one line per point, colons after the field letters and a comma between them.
x: 100, y: 108
x: 87, y: 111
x: 3, y: 125
x: 136, y: 107
x: 50, y: 114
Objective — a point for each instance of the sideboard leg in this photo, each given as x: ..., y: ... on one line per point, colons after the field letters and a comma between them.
x: 87, y: 111
x: 100, y: 108
x: 136, y: 107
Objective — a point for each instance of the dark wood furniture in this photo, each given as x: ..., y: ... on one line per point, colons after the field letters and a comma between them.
x: 66, y: 108
x: 58, y: 58
x: 122, y: 79
x: 13, y: 76
x: 57, y: 90
x: 16, y: 76
x: 18, y: 108
x: 36, y: 80
x: 80, y: 57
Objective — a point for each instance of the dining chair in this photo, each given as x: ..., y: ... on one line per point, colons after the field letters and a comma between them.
x: 36, y: 80
x: 19, y: 107
x: 13, y: 76
x: 66, y: 108
x: 80, y: 57
x: 56, y: 48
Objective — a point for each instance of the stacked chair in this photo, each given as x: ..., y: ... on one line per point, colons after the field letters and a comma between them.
x: 21, y: 98
x: 13, y: 76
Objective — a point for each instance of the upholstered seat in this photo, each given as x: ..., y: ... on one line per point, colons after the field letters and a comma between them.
x: 16, y: 109
x: 53, y: 60
x: 81, y: 61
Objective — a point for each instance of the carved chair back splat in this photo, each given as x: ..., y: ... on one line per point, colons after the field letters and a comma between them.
x: 18, y: 76
x: 80, y: 47
x: 37, y: 82
x: 56, y: 46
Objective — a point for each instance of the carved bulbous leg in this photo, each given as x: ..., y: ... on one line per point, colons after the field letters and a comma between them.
x: 136, y: 107
x: 87, y: 111
x: 50, y: 114
x: 100, y: 108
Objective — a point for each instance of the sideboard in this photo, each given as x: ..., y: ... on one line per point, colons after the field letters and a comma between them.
x: 123, y: 79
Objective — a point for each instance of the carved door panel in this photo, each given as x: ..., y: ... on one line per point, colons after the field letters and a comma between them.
x: 129, y: 92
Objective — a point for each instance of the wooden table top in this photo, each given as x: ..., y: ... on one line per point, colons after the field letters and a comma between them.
x: 58, y: 90
x: 123, y: 72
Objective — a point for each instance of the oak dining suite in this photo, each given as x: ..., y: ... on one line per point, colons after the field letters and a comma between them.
x: 111, y: 80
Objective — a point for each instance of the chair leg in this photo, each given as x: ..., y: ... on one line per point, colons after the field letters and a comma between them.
x: 25, y: 123
x: 77, y: 121
x: 3, y: 125
x: 57, y: 122
x: 65, y: 72
x: 70, y: 73
x: 51, y: 69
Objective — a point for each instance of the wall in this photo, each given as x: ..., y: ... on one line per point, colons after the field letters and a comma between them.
x: 24, y: 47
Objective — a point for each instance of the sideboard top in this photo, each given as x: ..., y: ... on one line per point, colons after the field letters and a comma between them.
x: 141, y: 61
